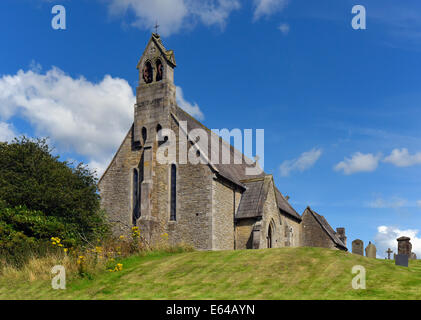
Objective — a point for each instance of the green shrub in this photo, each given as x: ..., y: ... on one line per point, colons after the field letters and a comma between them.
x: 42, y: 197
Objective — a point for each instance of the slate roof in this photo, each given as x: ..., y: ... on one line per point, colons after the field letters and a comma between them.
x: 233, y: 172
x: 328, y: 229
x: 284, y: 205
x: 252, y: 200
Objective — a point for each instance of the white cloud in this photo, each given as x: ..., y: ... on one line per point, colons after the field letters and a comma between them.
x: 213, y: 12
x: 268, y: 7
x: 79, y: 116
x: 284, y: 28
x: 175, y: 15
x: 386, y: 238
x: 90, y: 119
x: 192, y: 109
x: 358, y: 163
x: 395, y: 202
x: 304, y: 162
x: 419, y: 203
x: 402, y: 158
x: 100, y: 166
x: 7, y: 132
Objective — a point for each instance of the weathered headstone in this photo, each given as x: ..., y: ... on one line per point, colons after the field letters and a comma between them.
x: 413, y: 256
x: 370, y: 251
x: 401, y: 260
x: 404, y: 246
x: 358, y: 247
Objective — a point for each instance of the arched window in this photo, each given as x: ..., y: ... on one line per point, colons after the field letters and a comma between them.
x: 161, y: 140
x: 144, y: 134
x: 148, y: 72
x: 158, y: 128
x: 158, y: 131
x: 141, y: 178
x: 136, y: 211
x: 173, y: 193
x: 159, y: 135
x: 159, y: 70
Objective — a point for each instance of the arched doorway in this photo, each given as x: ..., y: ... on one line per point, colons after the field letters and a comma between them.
x: 270, y: 236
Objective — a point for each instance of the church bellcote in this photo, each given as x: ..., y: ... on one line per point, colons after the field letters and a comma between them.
x: 156, y: 66
x: 156, y: 92
x: 156, y: 63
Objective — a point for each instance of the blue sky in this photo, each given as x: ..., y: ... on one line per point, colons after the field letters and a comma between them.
x: 340, y: 107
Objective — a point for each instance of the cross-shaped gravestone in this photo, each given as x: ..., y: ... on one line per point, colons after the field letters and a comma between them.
x: 389, y: 252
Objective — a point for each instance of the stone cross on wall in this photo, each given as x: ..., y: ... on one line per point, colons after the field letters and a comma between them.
x: 389, y: 252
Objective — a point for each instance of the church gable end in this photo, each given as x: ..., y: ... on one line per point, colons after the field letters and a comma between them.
x: 316, y: 232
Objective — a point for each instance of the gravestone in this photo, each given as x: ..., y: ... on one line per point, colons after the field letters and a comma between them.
x: 413, y: 256
x: 401, y: 260
x: 370, y: 251
x: 404, y: 246
x: 389, y: 252
x: 358, y: 247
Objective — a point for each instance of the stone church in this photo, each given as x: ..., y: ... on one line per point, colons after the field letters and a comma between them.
x: 211, y: 206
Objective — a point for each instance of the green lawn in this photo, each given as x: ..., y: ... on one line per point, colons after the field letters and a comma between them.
x: 290, y: 273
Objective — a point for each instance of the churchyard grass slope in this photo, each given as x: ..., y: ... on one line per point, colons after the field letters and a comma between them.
x: 288, y: 273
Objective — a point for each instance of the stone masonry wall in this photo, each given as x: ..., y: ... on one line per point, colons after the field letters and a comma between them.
x: 223, y: 216
x: 296, y: 228
x: 313, y: 235
x: 116, y: 187
x: 271, y: 214
x: 243, y: 234
x: 295, y: 238
x: 194, y: 203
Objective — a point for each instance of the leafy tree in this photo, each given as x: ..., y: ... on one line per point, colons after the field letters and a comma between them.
x: 41, y: 196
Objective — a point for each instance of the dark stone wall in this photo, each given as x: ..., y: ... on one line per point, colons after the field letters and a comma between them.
x: 313, y: 234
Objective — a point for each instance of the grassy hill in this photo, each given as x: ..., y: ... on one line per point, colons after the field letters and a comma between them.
x: 290, y: 273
